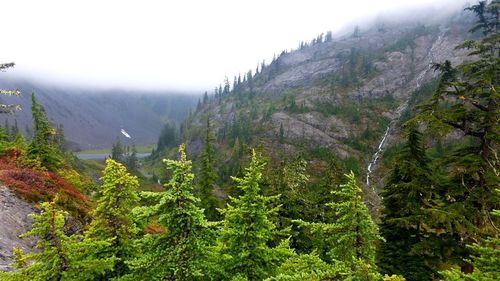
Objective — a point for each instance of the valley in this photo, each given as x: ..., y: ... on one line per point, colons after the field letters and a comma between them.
x: 368, y: 154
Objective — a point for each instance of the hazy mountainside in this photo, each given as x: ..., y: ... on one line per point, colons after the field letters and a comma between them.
x: 93, y: 118
x: 342, y: 95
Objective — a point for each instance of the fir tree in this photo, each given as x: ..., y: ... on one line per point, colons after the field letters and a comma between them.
x: 247, y: 229
x: 42, y: 147
x: 407, y: 195
x: 177, y: 253
x: 118, y: 152
x: 59, y: 257
x: 466, y: 100
x: 354, y: 232
x: 132, y: 162
x: 208, y: 177
x: 113, y: 215
x: 351, y: 238
x: 485, y: 261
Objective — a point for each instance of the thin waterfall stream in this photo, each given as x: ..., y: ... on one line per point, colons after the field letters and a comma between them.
x: 397, y: 115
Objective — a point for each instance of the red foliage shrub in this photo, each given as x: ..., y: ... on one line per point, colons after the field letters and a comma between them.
x: 36, y: 186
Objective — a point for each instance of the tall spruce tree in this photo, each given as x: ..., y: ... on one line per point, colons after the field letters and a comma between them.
x: 113, y: 215
x: 247, y: 230
x: 407, y: 195
x: 177, y: 253
x: 42, y: 147
x: 354, y: 233
x: 58, y: 257
x: 350, y: 240
x: 208, y: 177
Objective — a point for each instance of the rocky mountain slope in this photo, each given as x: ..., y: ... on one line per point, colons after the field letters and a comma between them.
x: 343, y: 95
x: 94, y: 118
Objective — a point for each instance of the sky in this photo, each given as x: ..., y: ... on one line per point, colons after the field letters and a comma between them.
x: 183, y: 45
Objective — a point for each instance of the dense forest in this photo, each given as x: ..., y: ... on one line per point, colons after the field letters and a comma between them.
x: 256, y: 216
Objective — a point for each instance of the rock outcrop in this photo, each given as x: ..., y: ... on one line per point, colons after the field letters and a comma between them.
x: 14, y: 222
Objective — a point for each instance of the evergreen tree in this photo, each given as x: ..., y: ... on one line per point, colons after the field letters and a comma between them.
x: 59, y: 257
x: 208, y: 177
x: 59, y: 138
x: 247, y: 229
x: 42, y: 147
x: 113, y: 215
x: 354, y: 233
x: 167, y: 137
x: 8, y: 108
x: 177, y: 253
x: 118, y: 152
x: 132, y: 161
x: 307, y: 267
x: 352, y: 237
x: 485, y: 261
x: 407, y: 195
x: 467, y: 100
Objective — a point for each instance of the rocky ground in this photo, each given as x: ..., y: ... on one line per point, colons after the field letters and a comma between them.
x: 14, y: 222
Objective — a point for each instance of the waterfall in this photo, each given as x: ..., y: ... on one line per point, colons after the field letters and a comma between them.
x: 398, y: 113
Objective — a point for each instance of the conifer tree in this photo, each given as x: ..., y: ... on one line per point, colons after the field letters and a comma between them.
x: 177, y: 253
x: 354, y: 232
x: 485, y: 261
x: 351, y: 238
x: 59, y: 257
x: 407, y: 195
x: 467, y: 100
x: 132, y: 162
x: 42, y: 146
x: 208, y: 177
x: 8, y: 108
x: 112, y: 217
x: 118, y: 152
x: 247, y: 229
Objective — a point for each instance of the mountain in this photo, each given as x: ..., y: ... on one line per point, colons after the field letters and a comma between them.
x: 339, y: 96
x: 93, y: 118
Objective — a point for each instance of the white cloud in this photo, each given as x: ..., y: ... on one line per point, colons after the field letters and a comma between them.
x: 184, y: 44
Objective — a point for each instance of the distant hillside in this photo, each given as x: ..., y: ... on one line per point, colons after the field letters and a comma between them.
x: 92, y: 118
x: 342, y: 96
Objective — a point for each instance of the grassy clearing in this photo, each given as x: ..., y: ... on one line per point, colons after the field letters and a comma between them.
x: 140, y: 149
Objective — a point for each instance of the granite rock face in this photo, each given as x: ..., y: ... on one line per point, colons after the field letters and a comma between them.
x: 14, y: 222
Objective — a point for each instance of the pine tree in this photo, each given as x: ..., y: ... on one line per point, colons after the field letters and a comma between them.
x: 407, y: 195
x: 113, y: 215
x: 59, y: 257
x: 247, y: 229
x: 208, y: 177
x: 177, y: 253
